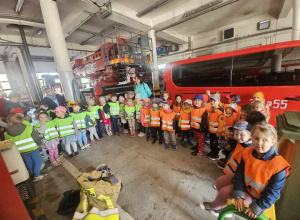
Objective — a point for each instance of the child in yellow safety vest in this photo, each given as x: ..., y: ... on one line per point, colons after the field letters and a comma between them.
x: 46, y: 129
x: 215, y: 125
x: 67, y: 130
x: 130, y: 116
x: 80, y: 120
x: 155, y: 122
x: 138, y: 106
x: 27, y: 141
x: 114, y: 109
x: 167, y: 116
x: 199, y: 124
x: 145, y: 117
x: 259, y: 178
x: 184, y: 122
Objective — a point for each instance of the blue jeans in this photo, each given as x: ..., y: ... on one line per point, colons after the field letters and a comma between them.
x: 99, y: 128
x: 82, y: 136
x: 114, y: 123
x: 33, y: 162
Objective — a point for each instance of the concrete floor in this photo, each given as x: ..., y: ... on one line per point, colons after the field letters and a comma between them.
x: 157, y: 184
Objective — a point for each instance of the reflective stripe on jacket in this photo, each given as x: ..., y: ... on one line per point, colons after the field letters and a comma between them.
x: 155, y: 118
x: 24, y: 141
x: 129, y: 112
x: 257, y: 172
x: 138, y: 110
x: 146, y: 113
x: 167, y: 121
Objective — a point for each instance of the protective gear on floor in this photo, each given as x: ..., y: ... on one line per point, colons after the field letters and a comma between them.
x: 99, y: 193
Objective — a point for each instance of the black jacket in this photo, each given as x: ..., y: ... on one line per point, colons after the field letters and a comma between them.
x: 52, y: 105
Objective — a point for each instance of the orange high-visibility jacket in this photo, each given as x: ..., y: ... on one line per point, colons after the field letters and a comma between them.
x: 234, y: 160
x: 177, y: 110
x: 196, y: 117
x: 155, y: 118
x: 215, y: 120
x: 146, y: 113
x: 238, y: 110
x: 257, y: 173
x: 185, y: 119
x: 167, y: 121
x: 229, y: 122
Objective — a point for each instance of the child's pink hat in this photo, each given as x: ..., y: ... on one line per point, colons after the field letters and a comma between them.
x: 60, y: 109
x: 147, y: 100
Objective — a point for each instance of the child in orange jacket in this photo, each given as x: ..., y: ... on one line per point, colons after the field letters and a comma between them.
x: 185, y: 122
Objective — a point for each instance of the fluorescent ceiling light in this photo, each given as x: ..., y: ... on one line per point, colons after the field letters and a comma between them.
x: 162, y: 66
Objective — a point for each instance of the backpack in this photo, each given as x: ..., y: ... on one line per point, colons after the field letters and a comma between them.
x: 69, y: 202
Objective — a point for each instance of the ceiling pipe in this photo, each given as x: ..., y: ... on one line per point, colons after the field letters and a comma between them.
x: 19, y: 6
x: 152, y: 8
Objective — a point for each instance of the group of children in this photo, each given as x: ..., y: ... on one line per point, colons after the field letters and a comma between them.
x: 254, y: 172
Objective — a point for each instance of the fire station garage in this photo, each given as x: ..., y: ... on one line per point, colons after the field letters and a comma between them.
x: 149, y: 110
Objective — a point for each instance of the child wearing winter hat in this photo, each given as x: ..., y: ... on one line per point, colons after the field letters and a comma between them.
x: 184, y: 122
x: 167, y: 116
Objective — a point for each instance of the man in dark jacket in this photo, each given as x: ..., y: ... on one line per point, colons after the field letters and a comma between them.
x: 53, y: 100
x: 12, y: 103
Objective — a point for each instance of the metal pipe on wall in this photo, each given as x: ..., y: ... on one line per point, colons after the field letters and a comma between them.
x: 34, y: 79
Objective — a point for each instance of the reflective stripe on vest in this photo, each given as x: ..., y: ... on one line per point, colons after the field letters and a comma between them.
x: 50, y: 132
x: 234, y: 159
x: 129, y: 112
x: 185, y: 120
x: 155, y: 119
x: 24, y: 141
x: 114, y: 108
x: 213, y: 120
x: 79, y: 119
x: 257, y: 172
x: 196, y: 117
x: 167, y: 121
x: 146, y: 113
x: 94, y: 110
x: 229, y: 122
x: 64, y: 126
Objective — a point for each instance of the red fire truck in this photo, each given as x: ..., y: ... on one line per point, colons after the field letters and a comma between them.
x: 112, y: 68
x: 242, y: 72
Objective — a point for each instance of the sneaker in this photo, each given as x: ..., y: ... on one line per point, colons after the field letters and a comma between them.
x: 183, y: 143
x: 142, y: 134
x: 154, y: 141
x: 221, y: 165
x: 39, y: 177
x: 194, y: 148
x: 166, y: 146
x: 71, y: 155
x: 174, y: 147
x: 207, y: 207
x: 93, y: 141
x: 197, y: 153
x: 83, y: 147
x: 117, y: 134
x: 160, y: 142
x: 126, y: 131
x: 76, y: 154
x: 98, y: 140
x: 132, y: 135
x: 88, y: 145
x: 189, y: 142
x: 211, y: 157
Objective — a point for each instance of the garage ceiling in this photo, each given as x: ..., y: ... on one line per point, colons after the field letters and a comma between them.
x: 124, y: 14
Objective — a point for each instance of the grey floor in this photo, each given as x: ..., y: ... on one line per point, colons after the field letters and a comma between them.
x: 157, y: 184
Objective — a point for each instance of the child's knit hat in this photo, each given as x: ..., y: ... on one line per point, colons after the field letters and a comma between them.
x: 147, y: 100
x: 242, y: 126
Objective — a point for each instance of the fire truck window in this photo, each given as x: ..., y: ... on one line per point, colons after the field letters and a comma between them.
x: 212, y: 73
x: 255, y: 69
